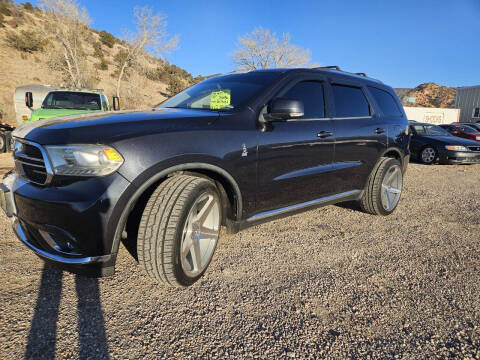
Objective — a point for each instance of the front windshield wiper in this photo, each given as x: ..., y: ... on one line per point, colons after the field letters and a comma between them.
x: 52, y: 107
x: 79, y: 108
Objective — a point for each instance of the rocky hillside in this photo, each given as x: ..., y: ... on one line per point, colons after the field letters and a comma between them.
x: 24, y: 60
x: 431, y: 95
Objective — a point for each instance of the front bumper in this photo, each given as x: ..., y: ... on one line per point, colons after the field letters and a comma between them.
x: 72, y: 226
x: 459, y: 157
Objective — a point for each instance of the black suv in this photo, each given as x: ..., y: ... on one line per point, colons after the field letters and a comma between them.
x: 234, y: 150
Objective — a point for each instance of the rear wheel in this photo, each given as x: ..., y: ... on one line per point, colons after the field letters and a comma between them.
x: 384, y: 188
x: 179, y: 230
x: 428, y: 155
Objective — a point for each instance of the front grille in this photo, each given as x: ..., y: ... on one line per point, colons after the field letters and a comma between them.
x: 30, y: 163
x: 474, y: 148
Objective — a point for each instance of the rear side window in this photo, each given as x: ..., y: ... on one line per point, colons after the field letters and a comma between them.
x: 350, y: 101
x: 311, y: 93
x: 420, y: 130
x: 385, y: 101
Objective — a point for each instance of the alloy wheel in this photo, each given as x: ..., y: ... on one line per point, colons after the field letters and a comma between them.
x: 200, y: 234
x: 428, y: 155
x: 392, y: 188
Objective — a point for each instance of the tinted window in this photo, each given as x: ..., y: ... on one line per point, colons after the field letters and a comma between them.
x: 311, y: 93
x: 385, y: 101
x: 350, y: 101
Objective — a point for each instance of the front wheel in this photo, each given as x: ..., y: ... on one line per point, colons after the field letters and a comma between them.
x: 179, y: 230
x: 428, y: 155
x: 384, y: 188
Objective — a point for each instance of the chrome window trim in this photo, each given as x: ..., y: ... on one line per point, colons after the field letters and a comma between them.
x: 328, y: 118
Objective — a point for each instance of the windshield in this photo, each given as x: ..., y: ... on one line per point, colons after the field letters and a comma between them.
x: 72, y: 100
x: 430, y: 130
x: 475, y: 126
x: 468, y: 129
x: 222, y: 93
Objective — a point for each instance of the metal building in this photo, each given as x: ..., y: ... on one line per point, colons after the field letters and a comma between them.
x: 468, y: 101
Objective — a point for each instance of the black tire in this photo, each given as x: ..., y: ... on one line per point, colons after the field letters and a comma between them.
x: 430, y: 149
x: 161, y: 227
x: 3, y: 143
x: 371, y: 201
x: 9, y: 142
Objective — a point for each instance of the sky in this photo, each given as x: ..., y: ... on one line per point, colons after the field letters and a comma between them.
x: 403, y: 43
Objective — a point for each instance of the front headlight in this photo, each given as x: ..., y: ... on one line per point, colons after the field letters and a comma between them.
x: 84, y: 160
x: 456, y: 147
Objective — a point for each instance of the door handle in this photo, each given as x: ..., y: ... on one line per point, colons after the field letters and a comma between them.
x: 379, y: 131
x: 324, y: 134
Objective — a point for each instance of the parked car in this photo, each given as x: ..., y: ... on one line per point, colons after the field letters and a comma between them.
x: 431, y: 143
x: 476, y: 125
x: 65, y: 102
x: 462, y: 130
x: 234, y: 150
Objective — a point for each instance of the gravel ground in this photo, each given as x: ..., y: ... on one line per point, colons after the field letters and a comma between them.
x: 329, y: 283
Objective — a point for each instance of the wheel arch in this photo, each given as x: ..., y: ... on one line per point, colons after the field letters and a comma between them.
x: 394, y: 152
x: 228, y: 187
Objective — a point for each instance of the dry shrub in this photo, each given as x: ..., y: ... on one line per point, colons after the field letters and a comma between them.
x: 107, y: 39
x: 5, y: 9
x: 28, y: 6
x: 26, y: 41
x: 97, y: 50
x: 102, y: 65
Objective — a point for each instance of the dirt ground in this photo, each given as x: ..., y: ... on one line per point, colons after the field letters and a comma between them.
x: 6, y: 163
x: 328, y: 283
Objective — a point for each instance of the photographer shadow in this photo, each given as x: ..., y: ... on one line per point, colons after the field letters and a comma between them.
x: 90, y: 323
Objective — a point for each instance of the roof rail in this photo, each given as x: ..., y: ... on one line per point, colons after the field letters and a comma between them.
x: 336, y: 67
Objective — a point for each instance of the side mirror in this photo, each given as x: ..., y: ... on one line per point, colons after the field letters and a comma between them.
x: 29, y: 99
x: 284, y: 109
x: 116, y: 103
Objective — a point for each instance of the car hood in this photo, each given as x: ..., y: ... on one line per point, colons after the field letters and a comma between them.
x: 107, y: 127
x: 50, y: 113
x: 451, y: 140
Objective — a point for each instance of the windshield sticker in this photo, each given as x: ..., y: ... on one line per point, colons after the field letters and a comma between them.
x: 219, y: 99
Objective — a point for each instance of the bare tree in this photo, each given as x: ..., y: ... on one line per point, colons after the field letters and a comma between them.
x: 151, y: 34
x: 262, y: 49
x: 68, y: 23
